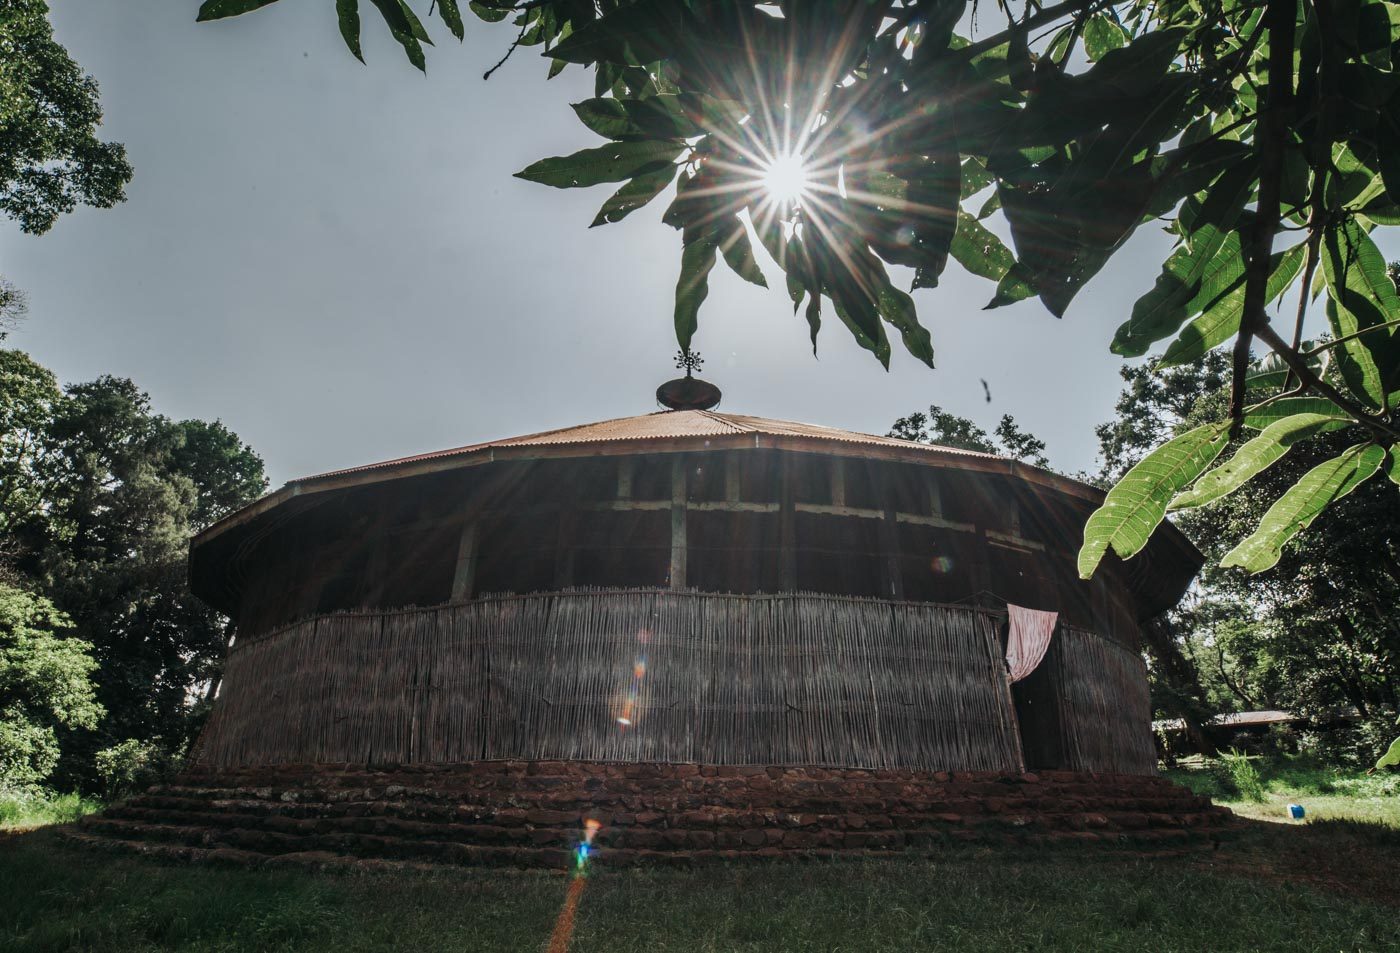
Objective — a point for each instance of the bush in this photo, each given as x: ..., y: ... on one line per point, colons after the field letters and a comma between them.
x: 32, y: 808
x: 134, y: 766
x: 1238, y: 774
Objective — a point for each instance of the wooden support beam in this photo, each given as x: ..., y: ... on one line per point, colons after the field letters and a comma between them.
x: 624, y: 477
x: 889, y: 543
x: 856, y: 511
x: 1013, y: 541
x: 937, y: 521
x: 563, y: 549
x: 464, y: 576
x: 935, y: 495
x: 787, y: 530
x: 838, y: 482
x: 731, y: 477
x: 678, y: 515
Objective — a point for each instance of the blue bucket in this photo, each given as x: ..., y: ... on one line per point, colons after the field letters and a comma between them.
x: 1296, y: 811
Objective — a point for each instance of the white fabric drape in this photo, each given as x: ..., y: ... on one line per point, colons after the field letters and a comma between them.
x: 1028, y: 639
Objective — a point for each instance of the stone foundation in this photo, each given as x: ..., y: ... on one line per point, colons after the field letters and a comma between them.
x: 532, y: 813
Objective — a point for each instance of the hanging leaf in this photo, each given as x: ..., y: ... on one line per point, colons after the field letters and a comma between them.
x: 1299, y: 506
x: 452, y: 16
x: 1361, y: 296
x: 976, y: 249
x: 693, y: 286
x: 897, y: 308
x: 1137, y: 503
x: 404, y: 27
x: 1220, y: 320
x: 1193, y: 275
x: 1255, y: 456
x: 610, y: 163
x: 348, y: 13
x: 1392, y: 463
x: 738, y: 254
x: 219, y: 9
x: 636, y: 193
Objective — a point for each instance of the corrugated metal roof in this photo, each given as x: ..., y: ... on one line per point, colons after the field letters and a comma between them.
x: 663, y: 425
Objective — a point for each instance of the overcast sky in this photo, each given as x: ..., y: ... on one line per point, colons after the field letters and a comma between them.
x: 334, y: 260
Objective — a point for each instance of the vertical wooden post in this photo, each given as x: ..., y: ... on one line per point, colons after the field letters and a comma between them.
x: 731, y: 477
x: 787, y: 526
x: 464, y: 576
x: 935, y: 495
x: 889, y: 543
x: 563, y: 548
x: 838, y: 481
x: 624, y: 478
x: 678, y: 514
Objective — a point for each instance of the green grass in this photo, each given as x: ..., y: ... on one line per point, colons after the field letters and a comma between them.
x: 1327, y: 794
x: 20, y: 811
x: 59, y: 897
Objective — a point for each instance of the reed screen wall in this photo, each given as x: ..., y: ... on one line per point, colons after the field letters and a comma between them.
x: 653, y: 675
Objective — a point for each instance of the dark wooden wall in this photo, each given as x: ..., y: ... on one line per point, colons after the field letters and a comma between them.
x: 744, y: 522
x: 795, y: 679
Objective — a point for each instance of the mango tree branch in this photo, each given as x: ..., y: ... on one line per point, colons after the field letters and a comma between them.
x: 1313, y: 381
x: 1270, y: 141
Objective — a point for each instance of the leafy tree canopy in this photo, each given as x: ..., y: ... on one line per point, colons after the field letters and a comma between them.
x: 44, y: 683
x: 949, y: 430
x: 848, y: 136
x: 98, y: 498
x: 51, y: 160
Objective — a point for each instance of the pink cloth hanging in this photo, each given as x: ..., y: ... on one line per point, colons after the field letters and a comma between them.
x: 1028, y: 639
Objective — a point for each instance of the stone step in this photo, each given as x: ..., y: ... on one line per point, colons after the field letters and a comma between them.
x: 554, y: 848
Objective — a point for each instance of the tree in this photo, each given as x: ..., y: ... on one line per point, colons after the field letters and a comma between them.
x: 98, y: 498
x: 51, y: 160
x: 853, y: 135
x: 1313, y: 634
x: 44, y: 684
x: 13, y: 306
x: 949, y: 430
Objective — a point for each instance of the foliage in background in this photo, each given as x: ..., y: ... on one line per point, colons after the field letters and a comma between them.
x: 51, y: 160
x: 98, y: 498
x: 1316, y: 634
x: 949, y: 430
x: 1264, y: 133
x: 45, y: 684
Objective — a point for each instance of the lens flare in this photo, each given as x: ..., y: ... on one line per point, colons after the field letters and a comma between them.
x: 785, y: 178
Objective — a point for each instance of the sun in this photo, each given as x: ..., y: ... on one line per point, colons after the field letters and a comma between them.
x: 785, y: 178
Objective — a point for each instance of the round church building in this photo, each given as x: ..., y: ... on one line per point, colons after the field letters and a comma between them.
x: 683, y: 588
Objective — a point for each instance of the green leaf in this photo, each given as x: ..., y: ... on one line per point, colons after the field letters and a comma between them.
x: 610, y: 163
x: 738, y: 254
x: 977, y: 250
x: 1299, y: 506
x: 1361, y: 296
x: 348, y: 13
x: 633, y: 35
x: 1391, y: 758
x: 1256, y: 456
x: 405, y: 28
x: 1220, y: 320
x: 452, y: 16
x: 489, y: 14
x: 219, y: 9
x: 1194, y: 275
x: 1392, y: 464
x: 656, y: 117
x: 897, y: 308
x: 1138, y: 502
x: 1101, y: 35
x: 1261, y: 418
x: 636, y: 193
x: 693, y: 286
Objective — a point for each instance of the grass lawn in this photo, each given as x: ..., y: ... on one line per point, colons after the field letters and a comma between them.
x: 1329, y: 884
x: 57, y: 896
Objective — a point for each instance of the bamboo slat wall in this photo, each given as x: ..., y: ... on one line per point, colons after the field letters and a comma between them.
x: 788, y: 679
x: 1104, y: 708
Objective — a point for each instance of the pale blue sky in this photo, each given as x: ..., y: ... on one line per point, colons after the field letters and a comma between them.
x: 335, y: 261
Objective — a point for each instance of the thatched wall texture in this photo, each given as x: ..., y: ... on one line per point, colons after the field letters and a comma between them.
x: 789, y: 679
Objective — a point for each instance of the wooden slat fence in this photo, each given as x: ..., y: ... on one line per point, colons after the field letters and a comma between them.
x: 787, y: 679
